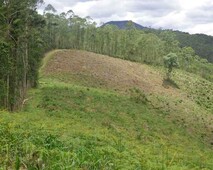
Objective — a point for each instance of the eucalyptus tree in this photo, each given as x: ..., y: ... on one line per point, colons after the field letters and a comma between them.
x: 171, y: 44
x: 15, y: 29
x: 51, y: 26
x: 91, y: 36
x: 131, y: 41
x: 187, y: 57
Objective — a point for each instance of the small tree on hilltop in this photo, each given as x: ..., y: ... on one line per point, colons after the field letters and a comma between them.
x: 170, y: 62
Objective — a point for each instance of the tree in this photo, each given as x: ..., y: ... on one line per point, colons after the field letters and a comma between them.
x: 187, y: 56
x: 50, y: 9
x: 170, y: 61
x: 17, y: 42
x: 171, y: 43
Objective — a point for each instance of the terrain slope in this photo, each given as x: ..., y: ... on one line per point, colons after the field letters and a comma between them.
x: 92, y: 111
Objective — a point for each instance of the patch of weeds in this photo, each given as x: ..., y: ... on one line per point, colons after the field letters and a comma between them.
x: 119, y: 145
x: 26, y: 149
x: 138, y: 96
x: 167, y: 82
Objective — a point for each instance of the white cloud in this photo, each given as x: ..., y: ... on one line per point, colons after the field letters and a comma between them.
x: 201, y: 28
x: 194, y: 16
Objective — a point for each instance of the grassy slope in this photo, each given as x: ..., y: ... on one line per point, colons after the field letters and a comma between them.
x: 72, y: 122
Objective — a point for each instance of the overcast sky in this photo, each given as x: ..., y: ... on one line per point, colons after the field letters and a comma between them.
x: 194, y: 16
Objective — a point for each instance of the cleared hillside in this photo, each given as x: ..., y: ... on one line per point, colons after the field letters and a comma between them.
x: 188, y: 98
x: 102, y: 71
x: 96, y: 112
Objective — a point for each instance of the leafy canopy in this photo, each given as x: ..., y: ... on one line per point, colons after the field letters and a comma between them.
x: 170, y: 61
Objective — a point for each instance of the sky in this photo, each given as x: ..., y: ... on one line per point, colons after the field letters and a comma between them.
x: 193, y: 16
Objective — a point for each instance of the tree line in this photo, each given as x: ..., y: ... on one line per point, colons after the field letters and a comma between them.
x: 201, y: 43
x: 146, y: 46
x: 20, y: 49
x: 26, y: 35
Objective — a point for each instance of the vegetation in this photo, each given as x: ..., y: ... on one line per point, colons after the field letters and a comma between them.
x: 20, y: 50
x: 170, y: 61
x: 26, y: 35
x: 201, y: 43
x: 108, y: 113
x: 124, y: 24
x: 65, y: 125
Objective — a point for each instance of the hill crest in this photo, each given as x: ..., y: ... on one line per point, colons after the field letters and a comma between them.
x: 124, y: 24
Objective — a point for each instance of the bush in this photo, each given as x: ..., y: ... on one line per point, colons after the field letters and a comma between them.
x: 170, y: 61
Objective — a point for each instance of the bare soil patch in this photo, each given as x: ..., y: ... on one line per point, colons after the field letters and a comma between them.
x: 108, y: 72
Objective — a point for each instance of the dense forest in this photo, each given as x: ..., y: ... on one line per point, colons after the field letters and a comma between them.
x: 21, y: 48
x: 201, y: 43
x: 26, y: 35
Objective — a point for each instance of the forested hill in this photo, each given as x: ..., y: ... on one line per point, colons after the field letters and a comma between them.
x: 201, y: 43
x: 124, y: 24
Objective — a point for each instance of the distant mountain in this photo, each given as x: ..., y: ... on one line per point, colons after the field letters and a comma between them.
x: 124, y: 24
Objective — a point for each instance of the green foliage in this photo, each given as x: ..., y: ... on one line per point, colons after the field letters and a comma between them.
x: 138, y: 96
x: 202, y: 44
x: 198, y: 90
x: 65, y: 126
x: 31, y: 34
x: 136, y: 45
x: 4, y: 58
x: 170, y: 62
x: 171, y: 43
x: 20, y: 52
x: 50, y: 8
x: 187, y: 54
x: 3, y: 91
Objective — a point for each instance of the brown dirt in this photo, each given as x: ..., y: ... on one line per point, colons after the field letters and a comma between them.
x: 111, y: 72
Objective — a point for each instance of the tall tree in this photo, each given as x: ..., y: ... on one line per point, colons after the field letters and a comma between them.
x: 15, y: 31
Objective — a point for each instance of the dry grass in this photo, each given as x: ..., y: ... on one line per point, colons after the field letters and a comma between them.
x: 110, y: 72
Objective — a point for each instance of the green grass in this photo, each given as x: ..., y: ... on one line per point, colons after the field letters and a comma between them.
x: 198, y: 90
x: 65, y: 125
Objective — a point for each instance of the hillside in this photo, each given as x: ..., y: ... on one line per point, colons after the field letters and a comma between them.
x: 201, y: 43
x: 93, y: 111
